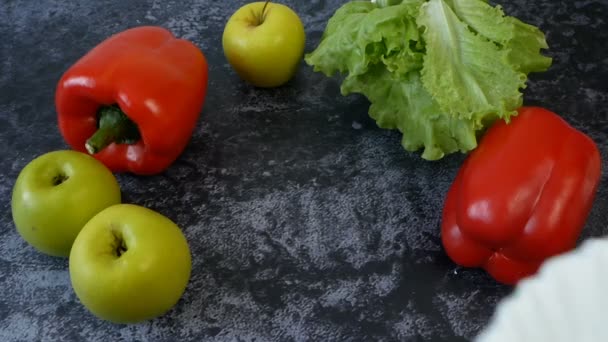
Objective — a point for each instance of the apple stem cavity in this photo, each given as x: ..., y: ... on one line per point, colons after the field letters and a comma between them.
x: 60, y: 178
x: 113, y: 126
x: 120, y: 246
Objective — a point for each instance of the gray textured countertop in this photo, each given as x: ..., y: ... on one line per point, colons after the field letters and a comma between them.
x: 305, y: 220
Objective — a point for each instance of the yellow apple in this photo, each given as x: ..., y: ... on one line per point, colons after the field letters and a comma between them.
x: 264, y: 43
x: 130, y: 264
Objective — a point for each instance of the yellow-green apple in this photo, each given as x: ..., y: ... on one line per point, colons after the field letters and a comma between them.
x: 129, y: 264
x: 55, y: 194
x: 264, y: 43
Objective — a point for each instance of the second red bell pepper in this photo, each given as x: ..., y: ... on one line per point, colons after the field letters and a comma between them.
x: 522, y: 196
x: 133, y: 101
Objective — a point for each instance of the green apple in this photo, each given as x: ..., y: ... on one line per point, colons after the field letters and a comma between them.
x: 129, y: 264
x: 56, y: 194
x: 264, y: 43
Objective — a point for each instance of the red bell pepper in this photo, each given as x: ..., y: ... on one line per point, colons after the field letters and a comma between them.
x: 522, y: 196
x: 133, y: 101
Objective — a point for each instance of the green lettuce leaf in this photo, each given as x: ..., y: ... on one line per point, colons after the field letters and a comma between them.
x: 523, y: 42
x: 402, y: 102
x: 360, y: 34
x: 468, y: 75
x: 439, y: 71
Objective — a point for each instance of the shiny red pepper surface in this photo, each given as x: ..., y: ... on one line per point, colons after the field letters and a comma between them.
x: 157, y: 82
x: 522, y: 196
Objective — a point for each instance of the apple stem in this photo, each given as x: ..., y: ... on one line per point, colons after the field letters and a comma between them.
x: 120, y: 245
x: 261, y: 17
x: 113, y: 125
x: 264, y: 10
x: 121, y: 250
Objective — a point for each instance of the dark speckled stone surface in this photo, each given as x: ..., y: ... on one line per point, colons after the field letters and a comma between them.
x: 306, y: 222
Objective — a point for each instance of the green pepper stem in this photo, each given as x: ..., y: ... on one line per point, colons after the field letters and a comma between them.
x: 386, y: 3
x: 113, y: 126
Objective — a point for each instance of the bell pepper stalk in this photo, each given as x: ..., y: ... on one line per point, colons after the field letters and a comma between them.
x: 522, y: 196
x: 133, y: 100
